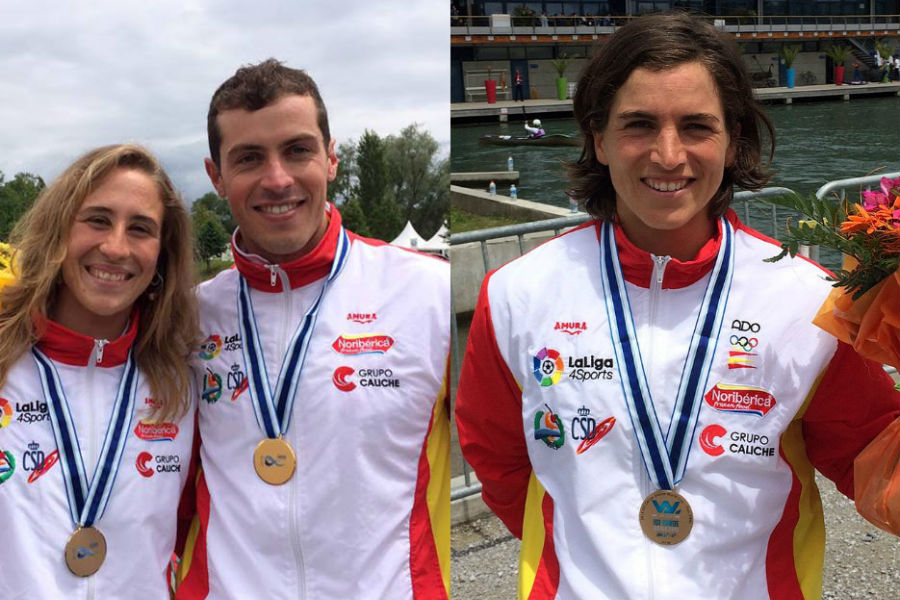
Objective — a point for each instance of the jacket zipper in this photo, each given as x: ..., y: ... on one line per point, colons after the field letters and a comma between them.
x: 656, y: 281
x: 93, y: 362
x: 286, y: 334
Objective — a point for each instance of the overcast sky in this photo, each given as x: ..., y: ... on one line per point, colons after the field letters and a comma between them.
x: 79, y: 74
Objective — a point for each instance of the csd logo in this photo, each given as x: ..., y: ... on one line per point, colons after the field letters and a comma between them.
x: 745, y: 326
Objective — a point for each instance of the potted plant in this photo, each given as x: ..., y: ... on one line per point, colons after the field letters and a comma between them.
x: 885, y: 51
x: 561, y: 64
x: 787, y: 54
x: 838, y: 55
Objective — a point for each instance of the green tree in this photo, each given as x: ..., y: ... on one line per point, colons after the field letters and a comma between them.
x: 418, y: 181
x: 371, y: 170
x: 210, y: 238
x: 353, y: 217
x: 384, y: 219
x: 343, y: 188
x: 219, y: 208
x: 16, y: 197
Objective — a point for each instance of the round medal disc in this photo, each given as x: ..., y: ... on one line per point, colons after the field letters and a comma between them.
x: 85, y: 551
x: 666, y: 517
x: 274, y: 461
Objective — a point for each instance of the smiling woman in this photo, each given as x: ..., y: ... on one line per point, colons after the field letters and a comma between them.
x: 98, y: 324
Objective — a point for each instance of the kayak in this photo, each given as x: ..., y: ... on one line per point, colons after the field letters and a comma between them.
x: 556, y: 139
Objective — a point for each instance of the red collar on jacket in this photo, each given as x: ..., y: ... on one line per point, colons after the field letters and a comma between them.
x: 308, y: 268
x: 72, y: 348
x: 637, y: 264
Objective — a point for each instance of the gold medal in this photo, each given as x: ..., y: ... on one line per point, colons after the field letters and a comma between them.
x: 85, y: 551
x: 666, y: 517
x: 274, y: 461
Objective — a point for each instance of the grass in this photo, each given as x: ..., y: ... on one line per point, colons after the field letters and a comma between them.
x: 461, y: 220
x: 201, y: 273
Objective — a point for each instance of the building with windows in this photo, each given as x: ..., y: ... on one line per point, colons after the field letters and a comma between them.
x: 490, y: 40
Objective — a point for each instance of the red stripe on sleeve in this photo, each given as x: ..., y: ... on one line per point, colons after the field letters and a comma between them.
x: 489, y: 421
x: 855, y: 401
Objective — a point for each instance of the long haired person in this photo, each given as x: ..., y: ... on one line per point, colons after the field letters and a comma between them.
x: 96, y: 422
x: 668, y: 449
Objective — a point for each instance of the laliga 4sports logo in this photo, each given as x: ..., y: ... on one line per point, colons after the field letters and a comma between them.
x: 210, y: 347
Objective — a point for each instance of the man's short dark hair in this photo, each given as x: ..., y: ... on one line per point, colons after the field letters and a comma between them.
x: 253, y: 87
x: 659, y: 42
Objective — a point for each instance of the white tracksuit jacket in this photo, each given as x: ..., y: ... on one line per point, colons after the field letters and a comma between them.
x: 139, y: 523
x: 783, y: 398
x: 366, y: 514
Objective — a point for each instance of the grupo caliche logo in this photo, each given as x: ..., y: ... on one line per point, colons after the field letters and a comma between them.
x: 148, y: 464
x: 365, y: 377
x: 548, y: 366
x: 716, y: 440
x: 210, y: 347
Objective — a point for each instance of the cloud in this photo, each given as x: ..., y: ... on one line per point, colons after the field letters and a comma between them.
x: 82, y: 74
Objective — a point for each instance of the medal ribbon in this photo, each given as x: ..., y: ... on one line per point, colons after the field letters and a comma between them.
x: 665, y: 467
x: 273, y: 410
x: 87, y: 502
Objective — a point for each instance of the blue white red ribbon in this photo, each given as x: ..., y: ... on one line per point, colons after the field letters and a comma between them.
x: 665, y: 467
x: 273, y: 409
x: 88, y: 502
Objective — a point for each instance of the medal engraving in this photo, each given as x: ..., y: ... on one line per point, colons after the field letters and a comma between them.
x: 666, y: 517
x: 274, y: 461
x: 85, y: 551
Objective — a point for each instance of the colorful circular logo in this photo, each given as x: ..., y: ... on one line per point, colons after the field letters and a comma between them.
x: 548, y: 366
x: 6, y: 412
x: 210, y: 347
x: 7, y: 465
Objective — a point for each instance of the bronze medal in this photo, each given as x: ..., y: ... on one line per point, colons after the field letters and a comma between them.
x: 666, y: 517
x: 274, y: 461
x: 85, y: 551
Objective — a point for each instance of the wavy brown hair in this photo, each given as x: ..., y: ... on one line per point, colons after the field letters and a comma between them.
x: 659, y: 42
x: 168, y: 326
x: 253, y: 87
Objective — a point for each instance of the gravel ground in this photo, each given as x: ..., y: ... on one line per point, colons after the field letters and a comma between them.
x: 861, y: 561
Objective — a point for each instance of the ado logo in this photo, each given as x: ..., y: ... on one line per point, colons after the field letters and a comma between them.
x: 745, y: 326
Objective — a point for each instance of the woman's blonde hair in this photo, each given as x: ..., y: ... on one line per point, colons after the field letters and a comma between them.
x: 168, y: 326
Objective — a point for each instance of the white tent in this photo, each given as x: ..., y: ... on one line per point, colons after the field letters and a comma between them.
x: 409, y: 238
x: 438, y: 243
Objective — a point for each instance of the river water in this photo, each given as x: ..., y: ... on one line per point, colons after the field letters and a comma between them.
x: 816, y: 142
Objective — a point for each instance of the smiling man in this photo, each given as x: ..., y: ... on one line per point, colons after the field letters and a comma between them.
x: 323, y: 417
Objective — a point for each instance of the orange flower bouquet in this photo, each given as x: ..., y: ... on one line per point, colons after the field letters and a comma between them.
x: 864, y: 311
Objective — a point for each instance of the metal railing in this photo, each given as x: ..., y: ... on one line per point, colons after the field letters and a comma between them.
x: 605, y: 25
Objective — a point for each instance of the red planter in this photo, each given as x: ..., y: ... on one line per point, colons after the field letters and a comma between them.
x: 839, y: 75
x: 490, y: 89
